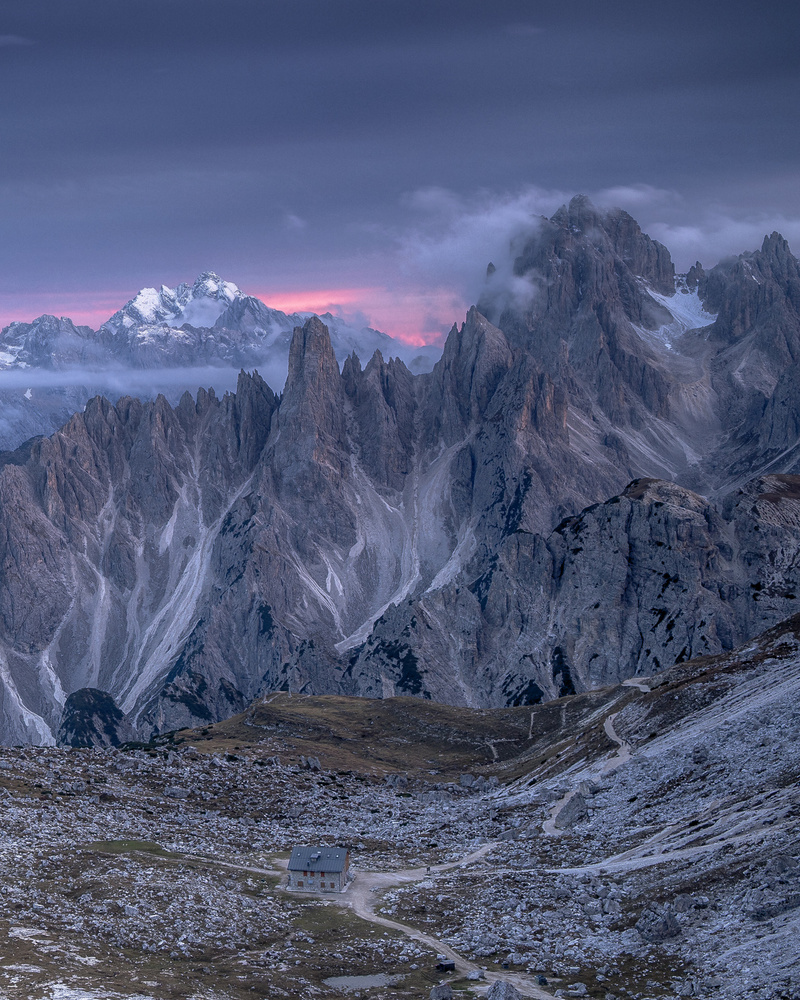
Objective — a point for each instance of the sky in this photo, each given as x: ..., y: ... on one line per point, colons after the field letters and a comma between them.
x: 372, y: 156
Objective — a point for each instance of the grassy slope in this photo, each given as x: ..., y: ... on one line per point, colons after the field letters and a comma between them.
x: 426, y: 739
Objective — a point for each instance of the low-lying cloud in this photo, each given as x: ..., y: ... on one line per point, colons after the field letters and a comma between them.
x: 452, y: 239
x: 691, y: 232
x: 124, y: 381
x: 718, y: 235
x: 38, y: 401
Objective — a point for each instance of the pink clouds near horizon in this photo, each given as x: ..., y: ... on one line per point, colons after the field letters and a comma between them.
x: 414, y: 316
x: 91, y: 308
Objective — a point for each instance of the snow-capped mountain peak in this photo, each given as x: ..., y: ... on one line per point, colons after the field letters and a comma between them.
x: 210, y: 285
x: 199, y: 304
x: 205, y: 301
x: 149, y: 306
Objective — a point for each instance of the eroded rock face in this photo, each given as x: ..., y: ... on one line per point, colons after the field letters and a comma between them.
x: 590, y: 273
x: 447, y: 535
x: 651, y: 577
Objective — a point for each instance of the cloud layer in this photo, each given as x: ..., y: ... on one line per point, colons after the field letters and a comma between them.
x: 308, y: 145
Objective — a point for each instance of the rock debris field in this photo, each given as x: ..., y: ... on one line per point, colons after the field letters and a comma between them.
x: 638, y: 842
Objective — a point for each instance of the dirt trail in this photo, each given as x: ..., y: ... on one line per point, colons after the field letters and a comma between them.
x: 361, y: 898
x: 732, y: 825
x: 597, y: 769
x: 631, y: 861
x: 623, y: 755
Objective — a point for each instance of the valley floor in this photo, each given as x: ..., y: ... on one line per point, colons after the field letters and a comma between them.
x: 628, y: 843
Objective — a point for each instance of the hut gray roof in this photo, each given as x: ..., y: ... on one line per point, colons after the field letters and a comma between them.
x: 318, y: 859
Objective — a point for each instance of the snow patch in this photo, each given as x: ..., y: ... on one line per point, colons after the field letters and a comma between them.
x: 687, y: 311
x: 148, y: 303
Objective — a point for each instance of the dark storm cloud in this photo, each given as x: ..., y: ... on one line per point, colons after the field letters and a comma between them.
x: 144, y: 141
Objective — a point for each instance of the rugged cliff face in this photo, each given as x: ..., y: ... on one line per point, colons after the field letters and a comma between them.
x: 447, y: 535
x: 654, y: 576
x: 107, y: 532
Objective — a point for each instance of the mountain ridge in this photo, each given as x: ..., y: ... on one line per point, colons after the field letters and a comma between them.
x: 169, y: 340
x: 500, y: 530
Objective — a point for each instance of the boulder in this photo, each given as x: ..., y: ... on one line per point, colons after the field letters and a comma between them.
x: 501, y: 990
x: 442, y: 992
x: 572, y: 812
x: 658, y: 924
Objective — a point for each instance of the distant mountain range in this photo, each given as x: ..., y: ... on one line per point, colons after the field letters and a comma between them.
x: 596, y: 480
x: 169, y: 340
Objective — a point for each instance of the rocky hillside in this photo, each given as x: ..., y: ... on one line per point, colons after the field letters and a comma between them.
x: 448, y: 534
x: 639, y: 841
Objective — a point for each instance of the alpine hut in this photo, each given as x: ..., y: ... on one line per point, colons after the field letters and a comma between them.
x: 319, y: 869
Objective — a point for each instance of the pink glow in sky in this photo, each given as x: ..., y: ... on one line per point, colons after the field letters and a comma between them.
x: 83, y: 308
x: 414, y: 315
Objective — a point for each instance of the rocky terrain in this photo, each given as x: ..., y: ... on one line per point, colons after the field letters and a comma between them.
x: 637, y: 841
x: 600, y: 486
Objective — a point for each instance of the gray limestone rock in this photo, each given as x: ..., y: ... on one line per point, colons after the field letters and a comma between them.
x: 441, y: 992
x: 658, y: 924
x: 502, y: 990
x: 573, y: 811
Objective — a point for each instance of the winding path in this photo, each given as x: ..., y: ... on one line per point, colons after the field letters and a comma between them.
x: 600, y: 769
x: 361, y: 899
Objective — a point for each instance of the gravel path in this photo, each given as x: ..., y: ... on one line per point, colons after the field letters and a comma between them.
x: 361, y: 898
